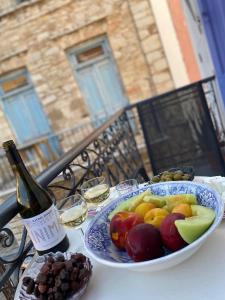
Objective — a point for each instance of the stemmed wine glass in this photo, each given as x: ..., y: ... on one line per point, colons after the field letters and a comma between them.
x: 95, y: 191
x: 126, y: 186
x: 74, y: 211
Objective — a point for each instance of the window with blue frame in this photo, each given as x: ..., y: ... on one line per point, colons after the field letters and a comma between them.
x: 22, y: 107
x: 99, y: 79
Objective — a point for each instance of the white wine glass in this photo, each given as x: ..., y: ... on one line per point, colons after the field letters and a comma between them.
x: 74, y: 212
x: 95, y: 191
x: 126, y: 186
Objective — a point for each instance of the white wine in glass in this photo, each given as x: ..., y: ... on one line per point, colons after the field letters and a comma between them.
x: 95, y: 190
x: 74, y: 212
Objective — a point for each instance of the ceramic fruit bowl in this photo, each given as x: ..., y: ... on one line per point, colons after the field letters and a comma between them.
x: 99, y: 244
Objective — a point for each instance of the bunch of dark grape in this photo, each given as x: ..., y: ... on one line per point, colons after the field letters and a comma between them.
x: 59, y: 278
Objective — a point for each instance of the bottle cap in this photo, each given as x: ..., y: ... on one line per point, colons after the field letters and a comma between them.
x: 12, y: 153
x: 6, y: 145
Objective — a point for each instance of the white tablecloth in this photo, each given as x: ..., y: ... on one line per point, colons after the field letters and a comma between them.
x: 201, y: 277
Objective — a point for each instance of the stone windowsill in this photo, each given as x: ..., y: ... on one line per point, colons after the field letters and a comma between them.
x: 17, y: 7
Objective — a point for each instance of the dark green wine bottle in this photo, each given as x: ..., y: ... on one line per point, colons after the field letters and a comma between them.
x: 36, y: 208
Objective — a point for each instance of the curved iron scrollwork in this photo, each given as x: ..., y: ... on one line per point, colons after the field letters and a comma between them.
x: 6, y: 237
x: 113, y: 153
x: 19, y: 254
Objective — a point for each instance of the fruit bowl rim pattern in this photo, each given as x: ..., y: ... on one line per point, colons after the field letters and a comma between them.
x: 167, y: 260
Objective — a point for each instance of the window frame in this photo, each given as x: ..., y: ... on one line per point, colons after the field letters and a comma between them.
x: 13, y: 75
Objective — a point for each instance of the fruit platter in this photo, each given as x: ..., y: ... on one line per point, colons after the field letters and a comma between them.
x: 154, y: 227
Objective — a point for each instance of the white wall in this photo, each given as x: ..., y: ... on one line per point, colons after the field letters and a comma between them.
x: 170, y: 43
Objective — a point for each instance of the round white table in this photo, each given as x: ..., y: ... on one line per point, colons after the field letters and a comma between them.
x: 201, y: 277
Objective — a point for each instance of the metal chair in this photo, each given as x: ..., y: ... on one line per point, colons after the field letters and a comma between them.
x: 178, y: 131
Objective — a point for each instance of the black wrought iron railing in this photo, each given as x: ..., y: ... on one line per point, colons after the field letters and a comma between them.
x: 183, y: 126
x: 40, y: 152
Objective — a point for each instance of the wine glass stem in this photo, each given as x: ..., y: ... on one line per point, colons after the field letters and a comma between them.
x: 82, y: 232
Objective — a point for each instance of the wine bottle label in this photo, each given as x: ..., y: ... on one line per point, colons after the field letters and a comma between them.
x: 44, y: 229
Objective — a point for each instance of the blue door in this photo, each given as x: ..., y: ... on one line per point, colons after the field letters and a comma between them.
x: 213, y: 16
x: 22, y: 107
x: 24, y: 112
x: 26, y: 116
x: 99, y: 80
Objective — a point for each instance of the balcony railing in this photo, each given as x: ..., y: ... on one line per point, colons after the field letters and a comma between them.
x: 174, y: 125
x: 40, y: 153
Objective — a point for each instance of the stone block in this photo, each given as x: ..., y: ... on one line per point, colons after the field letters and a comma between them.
x: 165, y: 86
x: 56, y: 115
x: 154, y: 55
x: 142, y: 14
x: 43, y: 88
x: 43, y: 36
x: 139, y: 6
x: 151, y: 43
x: 159, y: 65
x: 161, y: 77
x: 145, y: 22
x: 143, y: 34
x: 52, y: 51
x: 152, y: 29
x: 49, y: 99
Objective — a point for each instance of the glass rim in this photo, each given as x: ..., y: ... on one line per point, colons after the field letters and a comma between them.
x: 102, y: 179
x: 64, y: 200
x: 119, y: 186
x: 64, y: 208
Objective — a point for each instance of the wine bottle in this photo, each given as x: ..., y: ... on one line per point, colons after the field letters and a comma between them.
x: 36, y: 208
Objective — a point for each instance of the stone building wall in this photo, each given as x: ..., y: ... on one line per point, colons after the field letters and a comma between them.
x: 7, y: 5
x: 38, y: 34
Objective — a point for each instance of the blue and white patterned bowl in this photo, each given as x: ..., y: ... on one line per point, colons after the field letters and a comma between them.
x: 99, y: 245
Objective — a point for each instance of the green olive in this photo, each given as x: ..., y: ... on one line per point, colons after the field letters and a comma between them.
x: 179, y: 172
x: 177, y: 177
x: 169, y: 179
x: 185, y: 177
x: 155, y: 179
x: 166, y: 173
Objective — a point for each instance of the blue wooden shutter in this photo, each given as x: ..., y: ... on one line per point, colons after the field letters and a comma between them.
x: 26, y: 116
x: 110, y: 86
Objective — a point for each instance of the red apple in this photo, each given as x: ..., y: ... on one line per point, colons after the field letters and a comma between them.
x: 144, y: 243
x: 169, y: 233
x: 120, y: 225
